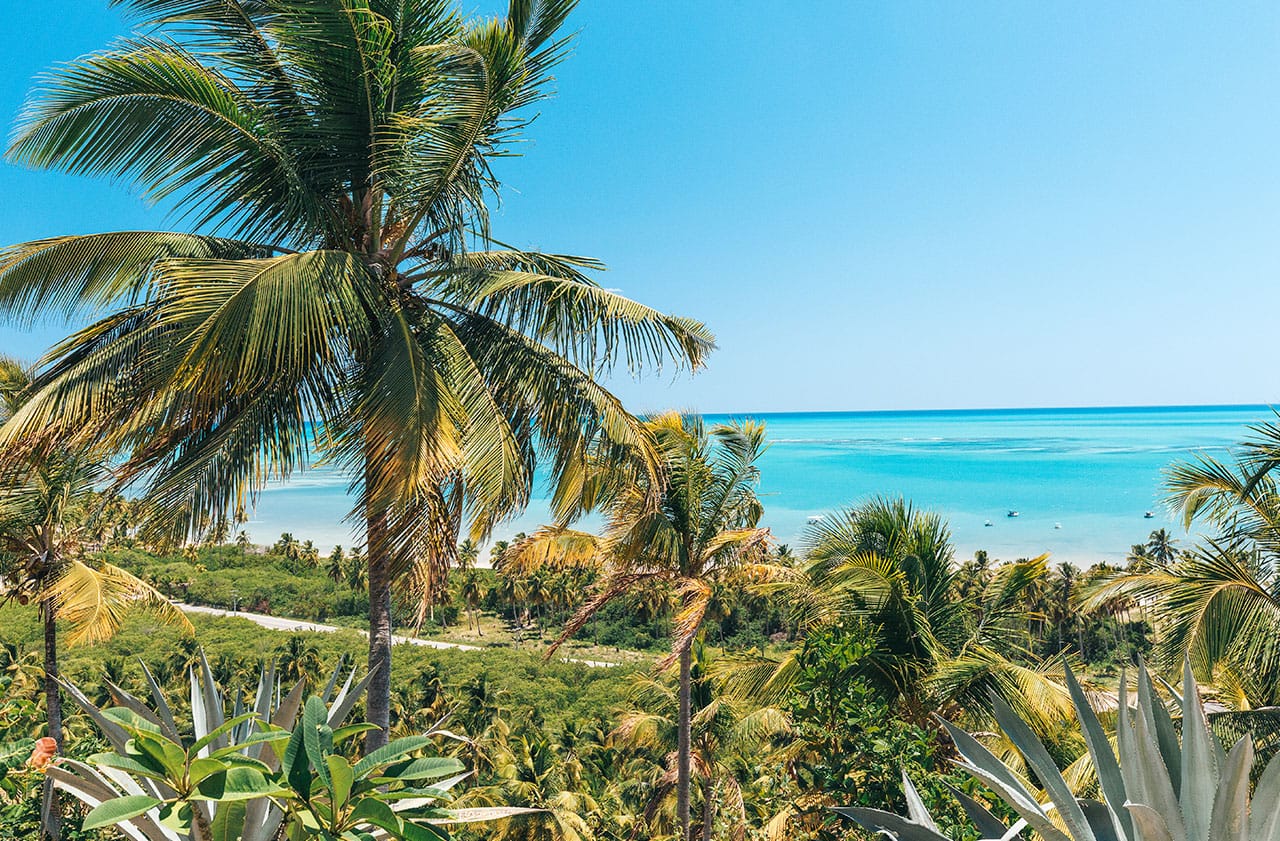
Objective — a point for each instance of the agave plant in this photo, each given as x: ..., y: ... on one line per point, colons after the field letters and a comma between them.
x: 231, y: 736
x: 1156, y: 786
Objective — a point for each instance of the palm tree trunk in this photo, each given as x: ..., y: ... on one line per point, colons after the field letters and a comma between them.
x: 378, y: 699
x: 682, y: 748
x: 51, y: 809
x: 708, y: 808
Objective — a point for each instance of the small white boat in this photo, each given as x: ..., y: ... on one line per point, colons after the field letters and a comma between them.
x: 988, y: 524
x: 816, y: 518
x: 1057, y: 525
x: 1148, y: 516
x: 1012, y: 514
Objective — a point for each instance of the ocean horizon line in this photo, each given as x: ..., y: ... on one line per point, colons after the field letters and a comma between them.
x: 1180, y: 407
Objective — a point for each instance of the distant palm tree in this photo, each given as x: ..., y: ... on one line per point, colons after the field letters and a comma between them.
x: 337, y: 566
x: 243, y: 543
x: 472, y: 593
x: 341, y: 294
x: 1139, y: 557
x: 689, y: 529
x: 309, y: 555
x: 1162, y: 547
x: 299, y: 659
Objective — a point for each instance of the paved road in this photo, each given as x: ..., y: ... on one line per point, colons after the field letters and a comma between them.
x: 280, y: 623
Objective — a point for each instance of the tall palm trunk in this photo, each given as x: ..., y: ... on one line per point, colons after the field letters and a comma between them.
x: 378, y: 699
x: 708, y: 808
x: 51, y: 810
x: 682, y: 747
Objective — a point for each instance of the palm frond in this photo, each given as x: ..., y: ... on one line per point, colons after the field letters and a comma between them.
x: 95, y: 600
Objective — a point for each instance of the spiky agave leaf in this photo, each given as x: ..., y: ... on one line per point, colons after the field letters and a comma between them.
x: 1140, y: 801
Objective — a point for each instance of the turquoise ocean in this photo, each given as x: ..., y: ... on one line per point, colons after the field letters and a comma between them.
x: 1081, y: 479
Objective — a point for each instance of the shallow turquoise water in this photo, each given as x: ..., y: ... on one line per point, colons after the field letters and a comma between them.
x: 1093, y: 471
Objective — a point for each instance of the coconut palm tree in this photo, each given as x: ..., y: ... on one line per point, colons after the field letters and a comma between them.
x: 336, y: 568
x: 1219, y: 603
x: 299, y: 659
x: 338, y: 292
x: 890, y: 567
x: 691, y: 526
x: 532, y: 772
x: 472, y: 593
x: 48, y: 510
x: 1162, y: 547
x: 724, y: 728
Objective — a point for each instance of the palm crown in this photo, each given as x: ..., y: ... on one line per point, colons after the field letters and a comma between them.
x: 343, y: 148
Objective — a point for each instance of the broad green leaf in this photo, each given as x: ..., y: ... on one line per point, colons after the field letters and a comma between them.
x: 424, y: 768
x: 203, y: 767
x: 176, y: 816
x: 258, y: 738
x: 141, y: 765
x: 388, y: 752
x: 237, y: 784
x: 121, y: 809
x: 159, y: 749
x: 313, y: 717
x: 297, y: 770
x: 341, y: 774
x: 228, y: 823
x: 341, y: 734
x: 131, y: 721
x: 369, y: 810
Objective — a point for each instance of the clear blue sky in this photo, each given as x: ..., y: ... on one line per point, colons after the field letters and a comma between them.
x: 879, y: 205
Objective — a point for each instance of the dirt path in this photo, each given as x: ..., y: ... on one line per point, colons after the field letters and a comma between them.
x: 280, y: 623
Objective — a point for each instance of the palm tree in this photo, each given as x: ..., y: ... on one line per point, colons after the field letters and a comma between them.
x: 532, y: 773
x: 472, y: 593
x: 340, y: 292
x: 723, y: 725
x: 686, y: 529
x: 299, y: 659
x: 48, y: 510
x: 889, y: 567
x: 1139, y: 557
x: 337, y: 566
x: 1162, y: 547
x: 1218, y: 604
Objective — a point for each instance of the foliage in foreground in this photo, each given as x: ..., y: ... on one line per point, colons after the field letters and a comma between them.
x: 251, y: 774
x: 1154, y: 786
